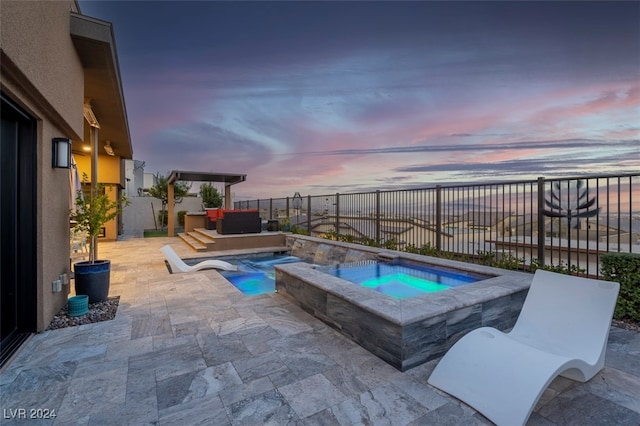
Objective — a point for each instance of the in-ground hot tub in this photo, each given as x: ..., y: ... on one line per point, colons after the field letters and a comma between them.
x: 401, y: 279
x: 403, y: 332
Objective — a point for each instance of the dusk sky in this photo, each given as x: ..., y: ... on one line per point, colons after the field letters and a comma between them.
x: 325, y: 97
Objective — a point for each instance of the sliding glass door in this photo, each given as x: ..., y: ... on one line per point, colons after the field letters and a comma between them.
x: 17, y: 227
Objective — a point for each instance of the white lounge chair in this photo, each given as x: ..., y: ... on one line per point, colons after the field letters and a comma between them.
x: 562, y: 330
x: 177, y: 265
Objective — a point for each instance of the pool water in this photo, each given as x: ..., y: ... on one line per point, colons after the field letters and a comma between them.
x: 402, y: 280
x: 256, y: 275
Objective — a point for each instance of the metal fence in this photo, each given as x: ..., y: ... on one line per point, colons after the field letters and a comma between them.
x: 553, y: 222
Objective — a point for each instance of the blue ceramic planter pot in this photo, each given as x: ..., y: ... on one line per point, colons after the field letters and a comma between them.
x: 93, y: 279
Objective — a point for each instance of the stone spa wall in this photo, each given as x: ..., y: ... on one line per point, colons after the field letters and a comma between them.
x: 404, y: 333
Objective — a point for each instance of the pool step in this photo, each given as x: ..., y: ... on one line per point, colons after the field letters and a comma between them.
x: 198, y: 240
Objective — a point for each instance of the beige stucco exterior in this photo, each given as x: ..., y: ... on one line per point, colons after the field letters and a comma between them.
x: 42, y: 72
x: 47, y: 81
x: 35, y: 37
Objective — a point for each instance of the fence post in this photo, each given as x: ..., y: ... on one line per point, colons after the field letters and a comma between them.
x: 288, y: 213
x: 378, y: 216
x: 438, y: 217
x: 541, y: 236
x: 337, y: 213
x: 309, y: 215
x: 270, y: 208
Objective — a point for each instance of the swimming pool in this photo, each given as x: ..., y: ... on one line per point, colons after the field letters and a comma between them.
x: 255, y: 274
x: 401, y: 279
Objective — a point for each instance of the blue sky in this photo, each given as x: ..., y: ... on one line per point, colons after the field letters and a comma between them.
x: 325, y: 97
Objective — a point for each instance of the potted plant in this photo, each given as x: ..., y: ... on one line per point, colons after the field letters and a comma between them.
x: 92, y: 276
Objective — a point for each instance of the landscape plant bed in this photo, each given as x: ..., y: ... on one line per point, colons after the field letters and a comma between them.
x: 98, y: 312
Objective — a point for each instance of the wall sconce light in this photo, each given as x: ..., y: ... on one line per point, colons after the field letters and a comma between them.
x: 61, y: 153
x: 108, y: 149
x: 90, y: 116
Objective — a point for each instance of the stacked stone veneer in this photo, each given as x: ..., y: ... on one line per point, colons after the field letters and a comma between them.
x: 405, y: 333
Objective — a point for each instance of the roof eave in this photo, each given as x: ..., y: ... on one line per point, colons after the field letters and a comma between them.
x: 96, y: 46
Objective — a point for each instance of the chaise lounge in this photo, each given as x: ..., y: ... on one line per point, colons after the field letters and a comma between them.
x: 175, y: 264
x: 562, y: 330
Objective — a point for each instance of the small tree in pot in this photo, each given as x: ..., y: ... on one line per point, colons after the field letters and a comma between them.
x: 92, y: 276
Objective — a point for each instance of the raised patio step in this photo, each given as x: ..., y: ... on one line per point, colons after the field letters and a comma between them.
x: 203, y: 235
x: 197, y: 241
x: 192, y: 242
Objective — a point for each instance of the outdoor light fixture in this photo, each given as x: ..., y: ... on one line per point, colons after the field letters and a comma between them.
x: 108, y: 149
x: 61, y: 153
x: 89, y: 116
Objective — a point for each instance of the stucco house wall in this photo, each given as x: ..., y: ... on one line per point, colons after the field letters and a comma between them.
x: 53, y: 61
x: 42, y: 73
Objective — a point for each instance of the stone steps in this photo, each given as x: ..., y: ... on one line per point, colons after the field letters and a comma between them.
x: 198, y: 240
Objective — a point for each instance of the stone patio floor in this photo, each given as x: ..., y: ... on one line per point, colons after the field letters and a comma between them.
x: 190, y: 349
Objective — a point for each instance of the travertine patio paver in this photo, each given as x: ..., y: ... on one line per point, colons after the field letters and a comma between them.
x: 190, y: 349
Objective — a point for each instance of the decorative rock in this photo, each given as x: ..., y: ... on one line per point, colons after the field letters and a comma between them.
x: 627, y: 325
x: 99, y: 311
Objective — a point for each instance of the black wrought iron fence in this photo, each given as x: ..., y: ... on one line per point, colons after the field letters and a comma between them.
x: 566, y: 222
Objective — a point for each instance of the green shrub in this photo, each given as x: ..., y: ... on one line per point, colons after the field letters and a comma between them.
x: 299, y: 230
x: 500, y: 260
x: 487, y: 258
x: 561, y: 268
x: 181, y: 215
x: 345, y: 238
x: 425, y: 250
x: 285, y: 224
x: 365, y: 241
x: 390, y: 244
x: 429, y: 250
x: 625, y: 269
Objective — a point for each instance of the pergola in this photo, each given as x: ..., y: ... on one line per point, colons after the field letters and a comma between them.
x: 228, y: 179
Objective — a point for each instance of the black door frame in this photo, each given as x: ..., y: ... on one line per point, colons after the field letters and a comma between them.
x: 19, y: 254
